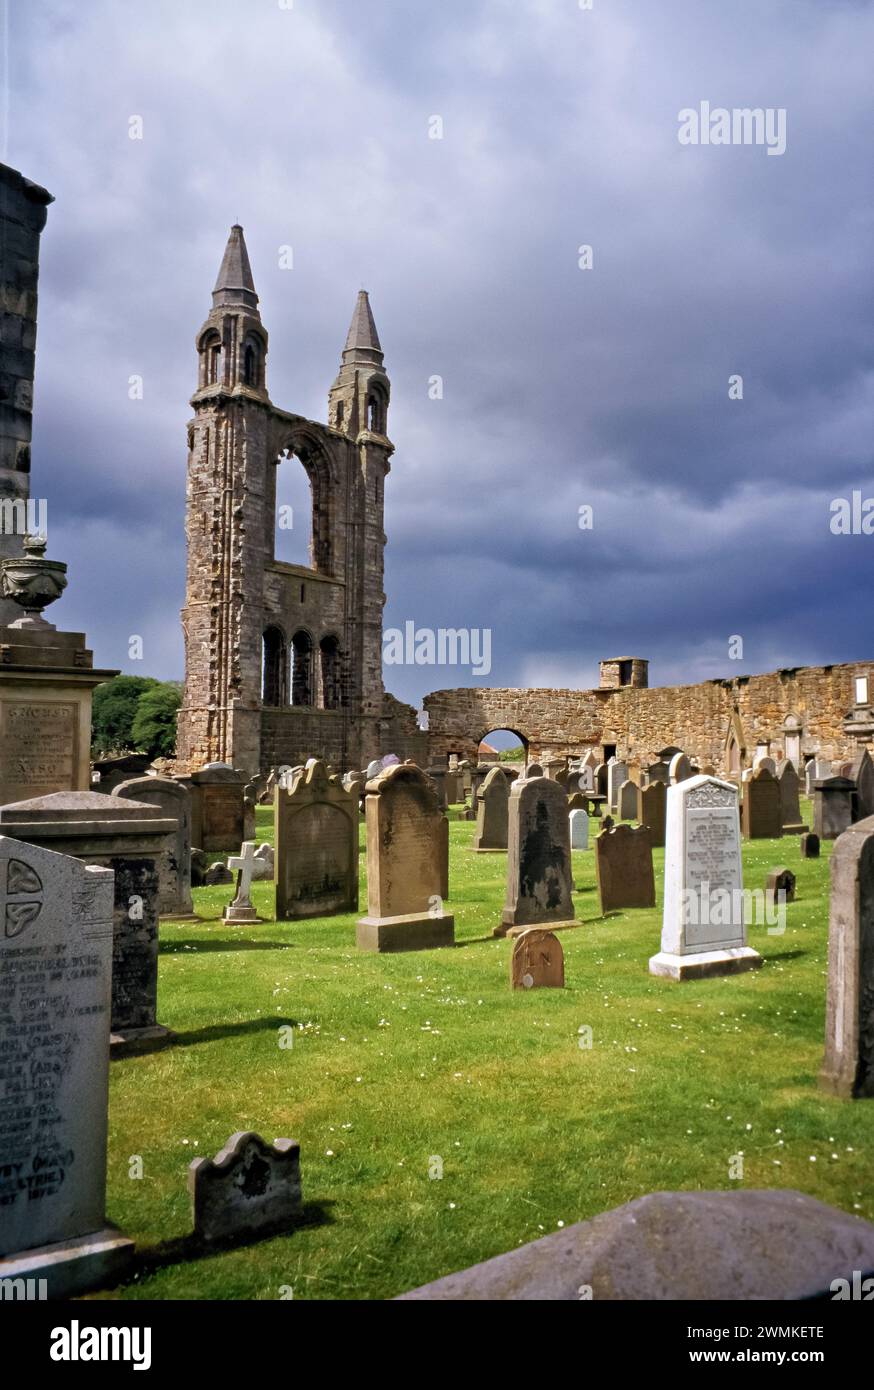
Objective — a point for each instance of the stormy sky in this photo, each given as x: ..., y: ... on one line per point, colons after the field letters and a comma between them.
x: 562, y: 388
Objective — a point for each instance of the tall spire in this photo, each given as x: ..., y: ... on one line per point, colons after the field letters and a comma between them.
x: 363, y: 347
x: 235, y: 285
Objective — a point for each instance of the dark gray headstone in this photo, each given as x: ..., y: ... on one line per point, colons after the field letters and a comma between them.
x: 251, y: 1188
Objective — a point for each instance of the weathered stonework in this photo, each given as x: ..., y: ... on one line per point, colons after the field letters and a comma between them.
x: 284, y: 661
x: 23, y: 207
x: 811, y: 704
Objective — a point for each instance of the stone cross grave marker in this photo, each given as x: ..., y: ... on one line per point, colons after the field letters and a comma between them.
x: 241, y: 909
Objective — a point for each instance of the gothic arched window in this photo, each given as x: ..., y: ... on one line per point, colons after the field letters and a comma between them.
x: 331, y: 673
x: 274, y: 678
x: 301, y: 668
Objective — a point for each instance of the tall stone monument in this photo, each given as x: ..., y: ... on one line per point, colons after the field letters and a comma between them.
x: 46, y: 683
x: 56, y: 968
x: 703, y: 928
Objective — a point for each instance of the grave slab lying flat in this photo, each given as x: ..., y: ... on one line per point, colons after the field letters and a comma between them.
x: 679, y: 1246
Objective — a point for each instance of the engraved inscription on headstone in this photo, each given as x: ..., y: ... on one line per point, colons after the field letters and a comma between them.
x: 703, y: 928
x: 55, y: 977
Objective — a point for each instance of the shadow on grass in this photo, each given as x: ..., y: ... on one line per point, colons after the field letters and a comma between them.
x: 176, y: 948
x: 215, y: 1033
x: 188, y: 1248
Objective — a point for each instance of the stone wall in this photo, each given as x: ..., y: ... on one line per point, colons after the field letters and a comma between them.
x: 640, y: 722
x: 23, y: 207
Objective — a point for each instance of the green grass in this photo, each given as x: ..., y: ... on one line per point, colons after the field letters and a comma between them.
x: 400, y: 1058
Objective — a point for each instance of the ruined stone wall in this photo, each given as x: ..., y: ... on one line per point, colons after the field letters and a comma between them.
x: 23, y: 208
x: 640, y: 722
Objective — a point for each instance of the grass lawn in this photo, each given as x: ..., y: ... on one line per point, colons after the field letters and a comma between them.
x: 398, y: 1060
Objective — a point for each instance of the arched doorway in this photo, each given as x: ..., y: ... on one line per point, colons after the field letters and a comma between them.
x: 503, y: 745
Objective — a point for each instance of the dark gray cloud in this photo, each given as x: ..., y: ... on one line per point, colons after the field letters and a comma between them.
x: 562, y: 387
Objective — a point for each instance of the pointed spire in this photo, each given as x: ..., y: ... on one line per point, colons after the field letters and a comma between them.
x: 362, y: 341
x: 235, y: 285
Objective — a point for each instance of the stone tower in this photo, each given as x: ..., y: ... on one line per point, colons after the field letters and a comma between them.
x: 282, y: 662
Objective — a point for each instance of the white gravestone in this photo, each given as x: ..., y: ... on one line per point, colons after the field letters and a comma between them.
x: 56, y: 991
x: 579, y: 823
x: 703, y: 929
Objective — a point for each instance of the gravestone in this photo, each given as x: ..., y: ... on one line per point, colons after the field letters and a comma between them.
x: 587, y: 778
x: 438, y: 777
x: 848, y: 1066
x: 628, y: 800
x: 764, y: 760
x: 217, y: 807
x: 703, y: 929
x: 579, y: 829
x: 130, y: 838
x: 174, y: 801
x: 264, y: 865
x: 241, y: 909
x: 863, y: 775
x: 537, y: 961
x: 810, y: 846
x: 790, y: 804
x: 810, y: 778
x: 251, y: 1188
x: 217, y: 875
x: 56, y: 973
x: 539, y: 881
x: 652, y: 809
x: 617, y: 773
x: 454, y: 787
x: 601, y: 780
x: 659, y: 772
x: 680, y: 769
x: 780, y: 887
x: 407, y: 864
x: 316, y: 846
x: 578, y: 802
x: 834, y: 807
x: 492, y: 814
x: 534, y: 770
x: 623, y: 867
x: 761, y: 811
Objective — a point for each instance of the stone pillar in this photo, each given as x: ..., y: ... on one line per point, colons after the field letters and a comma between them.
x: 23, y: 207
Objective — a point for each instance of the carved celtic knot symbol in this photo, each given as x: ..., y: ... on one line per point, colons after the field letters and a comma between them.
x: 16, y: 897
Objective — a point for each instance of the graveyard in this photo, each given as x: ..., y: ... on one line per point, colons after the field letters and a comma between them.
x: 398, y: 1060
x: 367, y: 934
